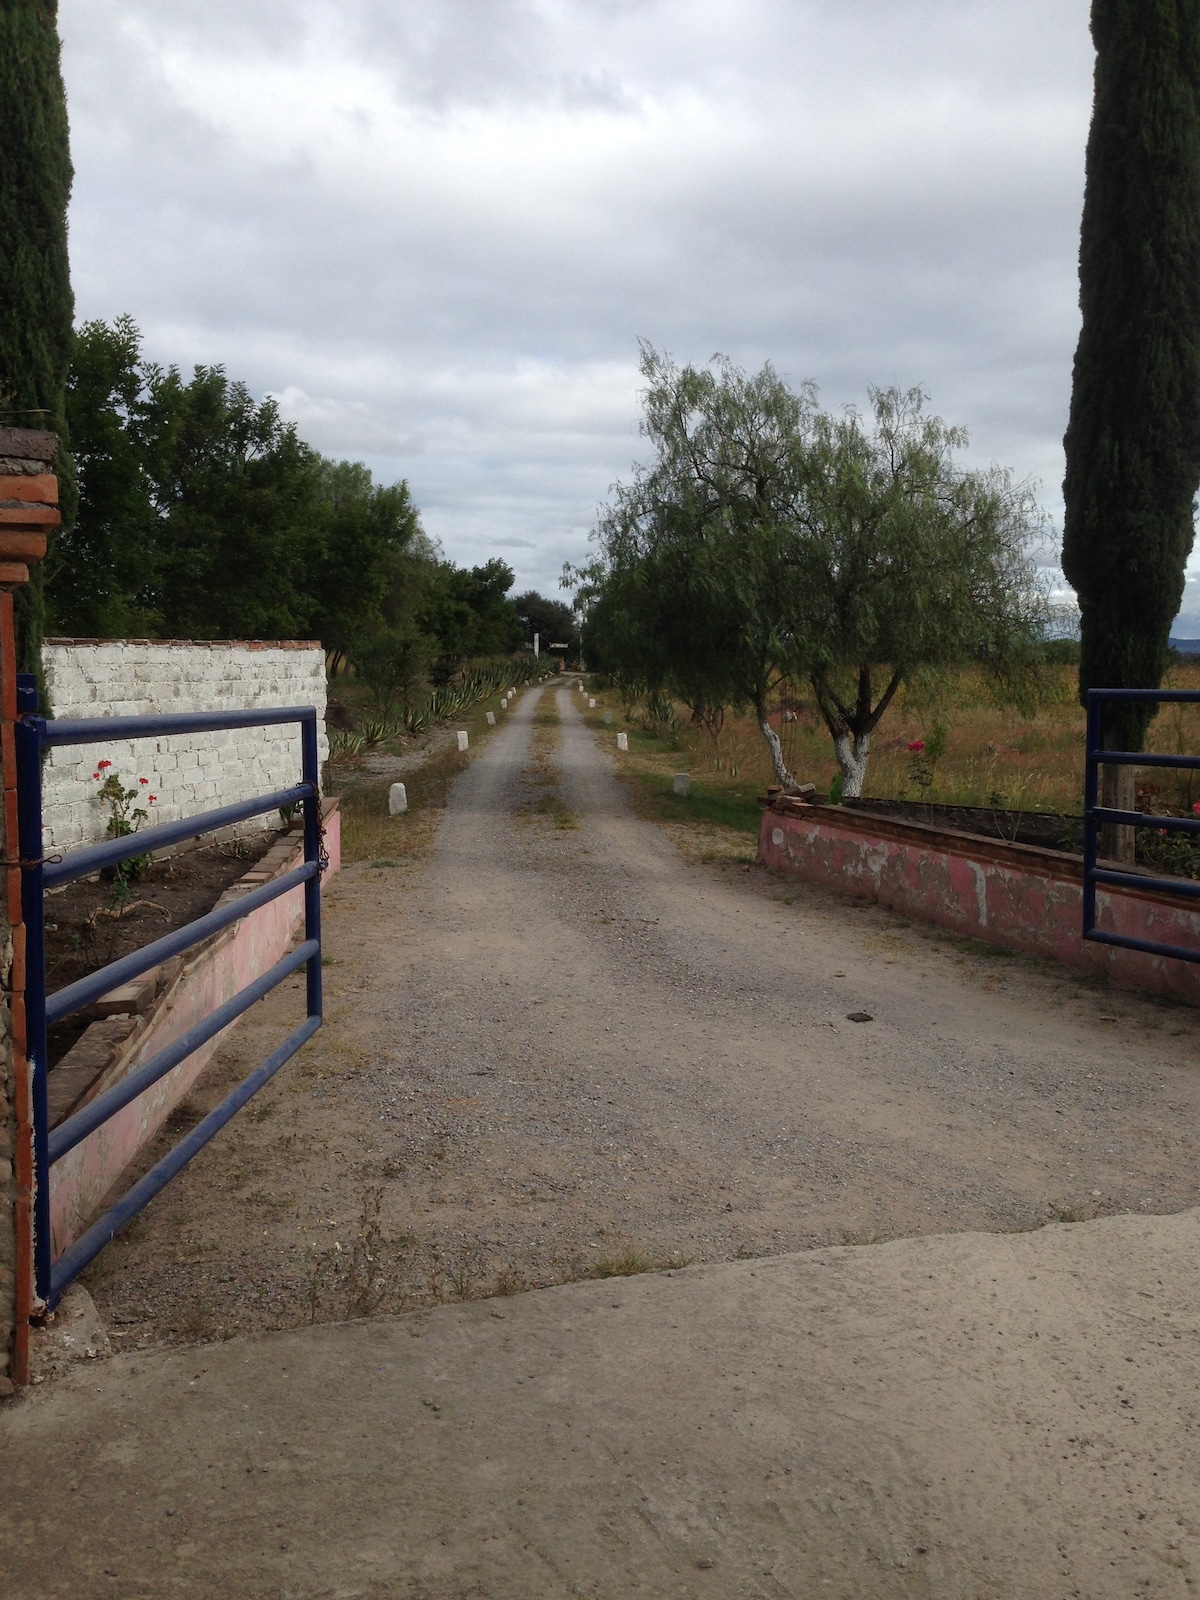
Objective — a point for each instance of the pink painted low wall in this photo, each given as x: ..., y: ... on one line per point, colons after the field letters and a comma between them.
x: 1018, y: 896
x: 82, y: 1179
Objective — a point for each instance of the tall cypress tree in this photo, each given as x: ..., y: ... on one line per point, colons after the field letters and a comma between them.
x: 1133, y: 438
x: 36, y: 305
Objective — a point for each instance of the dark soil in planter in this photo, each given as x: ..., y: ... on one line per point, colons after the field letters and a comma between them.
x: 1044, y: 828
x: 84, y: 931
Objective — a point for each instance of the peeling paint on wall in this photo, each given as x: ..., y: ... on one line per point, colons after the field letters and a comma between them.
x: 1016, y: 896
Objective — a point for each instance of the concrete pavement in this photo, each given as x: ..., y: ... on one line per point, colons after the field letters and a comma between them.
x: 971, y: 1415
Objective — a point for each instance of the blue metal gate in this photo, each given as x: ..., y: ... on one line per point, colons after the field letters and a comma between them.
x: 1096, y: 815
x: 34, y: 735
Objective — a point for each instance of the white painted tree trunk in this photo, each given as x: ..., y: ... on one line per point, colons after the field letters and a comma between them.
x: 782, y: 775
x: 852, y: 755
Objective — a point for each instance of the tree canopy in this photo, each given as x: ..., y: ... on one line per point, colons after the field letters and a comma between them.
x: 553, y: 621
x: 1133, y: 437
x: 204, y: 515
x: 771, y: 539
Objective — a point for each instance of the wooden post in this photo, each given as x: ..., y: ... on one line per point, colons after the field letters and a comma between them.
x: 28, y: 511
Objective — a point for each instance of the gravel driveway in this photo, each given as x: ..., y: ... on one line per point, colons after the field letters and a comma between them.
x: 559, y: 1048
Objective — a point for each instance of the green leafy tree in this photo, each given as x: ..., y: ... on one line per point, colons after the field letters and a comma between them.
x: 468, y: 614
x: 35, y: 284
x: 202, y: 513
x: 770, y: 539
x: 553, y: 621
x: 105, y: 572
x: 904, y: 561
x: 364, y: 531
x: 394, y: 662
x: 237, y: 493
x: 1133, y: 436
x: 690, y: 593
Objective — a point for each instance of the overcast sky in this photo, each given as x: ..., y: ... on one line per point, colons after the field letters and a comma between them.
x: 436, y: 229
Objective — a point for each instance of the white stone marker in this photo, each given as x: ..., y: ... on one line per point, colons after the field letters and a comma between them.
x: 608, y: 716
x: 683, y: 783
x: 397, y: 800
x: 591, y: 704
x: 622, y: 741
x: 462, y: 739
x: 491, y: 719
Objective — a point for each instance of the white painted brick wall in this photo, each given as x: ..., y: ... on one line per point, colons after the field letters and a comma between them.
x: 188, y: 772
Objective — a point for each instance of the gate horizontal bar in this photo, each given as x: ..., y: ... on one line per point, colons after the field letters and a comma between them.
x: 81, y: 993
x: 1143, y: 694
x: 94, y: 857
x: 1147, y: 946
x: 95, y: 730
x: 1142, y: 758
x: 1141, y: 880
x: 1143, y: 819
x: 76, y: 1128
x: 106, y: 1227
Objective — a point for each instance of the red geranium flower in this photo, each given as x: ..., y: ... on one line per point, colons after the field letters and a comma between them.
x: 143, y: 780
x: 103, y: 764
x: 152, y: 798
x: 95, y: 774
x: 1196, y: 807
x: 917, y: 746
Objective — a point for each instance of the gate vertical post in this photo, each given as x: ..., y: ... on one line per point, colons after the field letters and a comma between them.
x: 33, y: 911
x: 1091, y: 797
x: 28, y: 511
x: 311, y: 775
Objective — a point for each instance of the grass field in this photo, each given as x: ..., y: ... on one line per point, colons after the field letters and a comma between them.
x: 994, y: 755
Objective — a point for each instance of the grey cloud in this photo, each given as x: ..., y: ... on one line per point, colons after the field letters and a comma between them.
x: 438, y: 231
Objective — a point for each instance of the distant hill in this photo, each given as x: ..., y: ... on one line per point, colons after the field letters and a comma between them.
x: 1186, y: 647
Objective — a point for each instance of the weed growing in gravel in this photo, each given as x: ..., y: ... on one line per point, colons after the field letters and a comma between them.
x: 510, y: 1280
x: 630, y: 1263
x: 1065, y: 1211
x: 462, y: 1279
x: 365, y: 1278
x: 551, y: 806
x: 860, y: 1236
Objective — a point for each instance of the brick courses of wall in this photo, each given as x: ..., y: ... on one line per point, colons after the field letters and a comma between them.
x: 188, y: 773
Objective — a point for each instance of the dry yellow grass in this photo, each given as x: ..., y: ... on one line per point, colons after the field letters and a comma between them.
x: 368, y: 832
x: 1034, y: 760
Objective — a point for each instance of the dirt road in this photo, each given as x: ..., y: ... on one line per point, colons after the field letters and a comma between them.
x: 558, y: 1048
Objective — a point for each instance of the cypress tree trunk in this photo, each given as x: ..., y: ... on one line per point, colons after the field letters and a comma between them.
x: 1133, y: 438
x: 36, y: 306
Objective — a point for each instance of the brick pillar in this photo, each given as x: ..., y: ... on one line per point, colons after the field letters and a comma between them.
x: 28, y: 511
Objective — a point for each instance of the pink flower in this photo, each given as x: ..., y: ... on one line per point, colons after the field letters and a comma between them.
x: 1196, y: 807
x: 1162, y: 833
x: 143, y: 780
x: 917, y: 746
